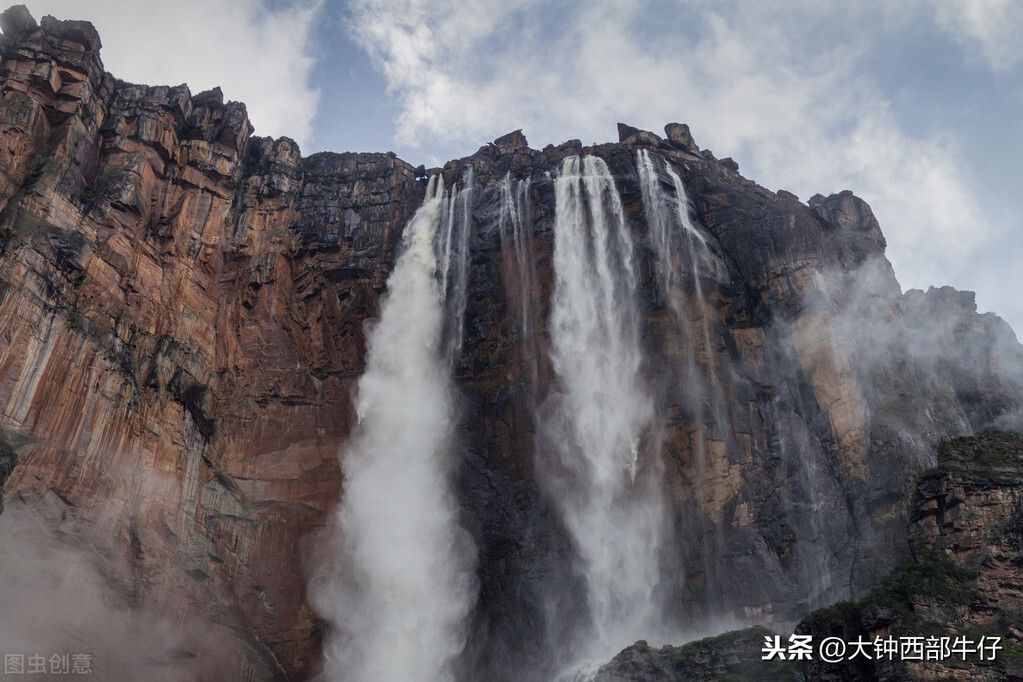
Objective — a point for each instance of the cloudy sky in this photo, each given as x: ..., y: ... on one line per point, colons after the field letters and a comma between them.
x: 915, y: 105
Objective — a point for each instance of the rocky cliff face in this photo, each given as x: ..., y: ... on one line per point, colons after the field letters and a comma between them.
x: 966, y: 575
x: 963, y: 581
x: 182, y: 313
x: 182, y: 310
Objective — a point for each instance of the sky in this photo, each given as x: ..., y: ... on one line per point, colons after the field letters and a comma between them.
x: 915, y: 105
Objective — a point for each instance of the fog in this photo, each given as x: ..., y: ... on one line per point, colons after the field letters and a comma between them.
x: 396, y: 580
x: 62, y: 595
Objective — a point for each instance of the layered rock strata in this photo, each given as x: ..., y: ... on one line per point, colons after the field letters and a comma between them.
x: 964, y: 581
x: 182, y: 322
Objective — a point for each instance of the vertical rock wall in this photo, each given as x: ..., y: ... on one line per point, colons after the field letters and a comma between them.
x: 182, y: 310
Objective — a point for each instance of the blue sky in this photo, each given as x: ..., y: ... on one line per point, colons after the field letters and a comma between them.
x: 915, y: 105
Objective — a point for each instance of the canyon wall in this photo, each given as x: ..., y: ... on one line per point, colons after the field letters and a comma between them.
x: 183, y: 312
x: 962, y: 583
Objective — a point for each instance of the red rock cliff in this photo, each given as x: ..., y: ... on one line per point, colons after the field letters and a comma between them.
x: 181, y: 310
x: 181, y: 328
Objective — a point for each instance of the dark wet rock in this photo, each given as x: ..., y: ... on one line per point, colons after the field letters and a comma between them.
x: 629, y: 135
x: 847, y: 211
x: 184, y: 308
x: 81, y: 32
x: 734, y: 656
x: 8, y: 460
x: 627, y: 132
x: 16, y: 21
x: 511, y: 141
x: 963, y: 580
x: 679, y: 136
x: 730, y: 163
x: 571, y: 146
x: 213, y: 97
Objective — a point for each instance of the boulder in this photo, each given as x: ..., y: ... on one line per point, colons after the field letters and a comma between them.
x: 679, y: 136
x: 730, y: 164
x: 16, y: 21
x: 511, y: 141
x: 629, y: 135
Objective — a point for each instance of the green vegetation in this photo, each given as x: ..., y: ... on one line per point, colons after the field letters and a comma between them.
x: 931, y: 576
x: 731, y: 657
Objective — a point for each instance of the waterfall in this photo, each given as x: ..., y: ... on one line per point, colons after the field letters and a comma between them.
x: 453, y: 246
x: 515, y: 223
x: 403, y: 584
x: 680, y: 249
x: 679, y: 246
x: 608, y: 495
x: 683, y: 257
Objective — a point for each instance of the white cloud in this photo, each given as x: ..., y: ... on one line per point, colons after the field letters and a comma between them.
x: 256, y: 54
x: 420, y: 45
x: 785, y: 93
x: 994, y: 26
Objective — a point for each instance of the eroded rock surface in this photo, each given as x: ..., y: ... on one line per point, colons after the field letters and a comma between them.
x: 964, y: 580
x: 182, y: 310
x: 732, y: 656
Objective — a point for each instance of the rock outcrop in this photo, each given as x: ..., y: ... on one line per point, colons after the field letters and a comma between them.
x: 964, y: 580
x: 182, y: 310
x: 733, y: 656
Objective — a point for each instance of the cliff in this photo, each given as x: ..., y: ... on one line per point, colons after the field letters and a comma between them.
x: 963, y: 581
x: 182, y: 323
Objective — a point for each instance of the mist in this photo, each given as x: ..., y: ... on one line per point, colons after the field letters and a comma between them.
x: 396, y: 581
x: 972, y: 363
x: 62, y: 594
x: 606, y: 491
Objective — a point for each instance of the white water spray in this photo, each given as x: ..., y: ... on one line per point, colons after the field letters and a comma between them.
x: 453, y: 246
x: 610, y: 503
x: 515, y: 225
x: 404, y: 582
x: 684, y: 256
x: 680, y: 247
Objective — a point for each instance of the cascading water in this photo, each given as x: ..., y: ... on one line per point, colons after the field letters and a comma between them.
x: 680, y: 250
x: 679, y: 246
x: 514, y: 225
x: 453, y: 246
x: 400, y: 591
x: 609, y: 495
